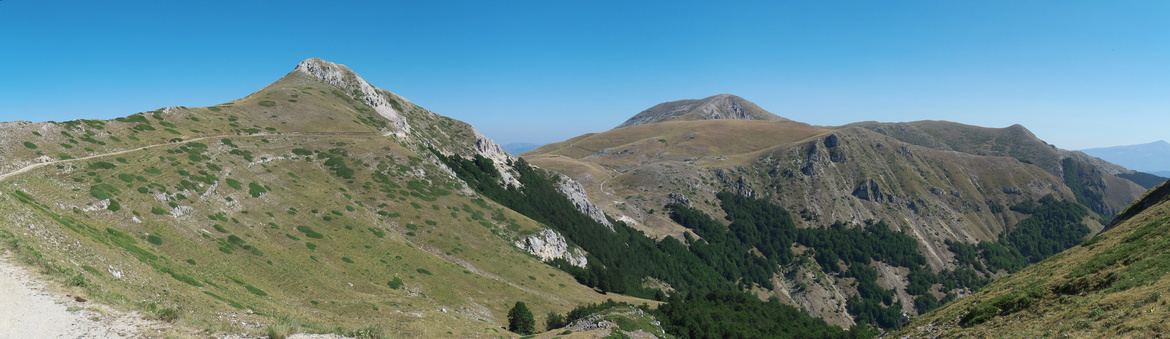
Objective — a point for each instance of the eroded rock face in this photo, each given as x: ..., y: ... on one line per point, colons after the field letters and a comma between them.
x: 489, y: 149
x: 576, y: 193
x: 832, y: 141
x: 549, y: 245
x: 739, y: 186
x: 811, y: 160
x: 870, y: 190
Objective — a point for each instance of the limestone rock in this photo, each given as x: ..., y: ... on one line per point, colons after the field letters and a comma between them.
x: 576, y: 193
x: 550, y: 245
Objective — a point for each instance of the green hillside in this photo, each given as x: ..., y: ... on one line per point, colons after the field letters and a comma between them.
x: 978, y: 203
x: 1112, y: 285
x: 314, y: 201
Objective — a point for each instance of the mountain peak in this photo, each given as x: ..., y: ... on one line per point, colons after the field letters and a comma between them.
x: 346, y: 79
x: 336, y: 74
x: 722, y: 106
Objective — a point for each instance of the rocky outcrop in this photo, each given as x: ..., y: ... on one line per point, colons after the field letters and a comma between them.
x: 388, y: 105
x: 737, y: 184
x: 836, y: 154
x: 832, y: 141
x: 341, y: 76
x: 489, y: 149
x: 550, y: 245
x: 576, y: 193
x: 869, y: 189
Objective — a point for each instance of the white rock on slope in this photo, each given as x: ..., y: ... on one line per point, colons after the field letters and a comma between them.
x: 549, y: 245
x: 576, y: 193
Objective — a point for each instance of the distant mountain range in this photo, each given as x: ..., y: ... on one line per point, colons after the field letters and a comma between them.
x: 1153, y: 158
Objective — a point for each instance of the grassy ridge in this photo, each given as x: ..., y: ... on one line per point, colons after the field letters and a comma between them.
x: 289, y: 204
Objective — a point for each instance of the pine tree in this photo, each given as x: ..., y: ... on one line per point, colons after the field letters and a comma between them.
x: 520, y: 320
x: 554, y: 321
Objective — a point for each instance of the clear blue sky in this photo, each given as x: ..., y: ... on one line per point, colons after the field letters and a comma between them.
x: 1079, y: 74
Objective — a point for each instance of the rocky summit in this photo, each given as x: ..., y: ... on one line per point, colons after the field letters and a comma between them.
x: 722, y: 106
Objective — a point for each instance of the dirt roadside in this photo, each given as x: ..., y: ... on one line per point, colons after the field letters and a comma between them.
x: 31, y: 307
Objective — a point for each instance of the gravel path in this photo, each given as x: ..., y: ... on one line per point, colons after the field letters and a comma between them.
x: 32, y: 308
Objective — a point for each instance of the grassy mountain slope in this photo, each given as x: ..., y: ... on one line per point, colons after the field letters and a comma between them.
x: 619, y: 167
x: 944, y: 183
x: 315, y: 199
x: 722, y: 106
x: 1095, y: 181
x: 1112, y: 285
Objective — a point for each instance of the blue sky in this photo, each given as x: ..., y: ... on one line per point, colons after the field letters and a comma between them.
x: 1079, y: 74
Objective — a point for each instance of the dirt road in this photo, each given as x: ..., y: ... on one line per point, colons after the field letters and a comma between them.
x: 32, y: 308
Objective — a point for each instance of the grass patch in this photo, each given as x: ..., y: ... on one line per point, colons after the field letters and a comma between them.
x: 282, y: 328
x: 309, y: 232
x: 254, y: 290
x: 168, y: 314
x: 1003, y: 305
x: 256, y: 190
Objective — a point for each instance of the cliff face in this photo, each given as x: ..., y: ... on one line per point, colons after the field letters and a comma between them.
x: 576, y: 193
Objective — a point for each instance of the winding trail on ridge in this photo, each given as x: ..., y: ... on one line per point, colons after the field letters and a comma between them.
x: 41, y: 164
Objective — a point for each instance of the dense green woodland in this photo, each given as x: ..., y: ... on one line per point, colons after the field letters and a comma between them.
x: 1086, y: 184
x: 711, y: 273
x: 1146, y: 180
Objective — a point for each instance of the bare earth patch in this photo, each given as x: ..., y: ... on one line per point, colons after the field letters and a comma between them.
x: 34, y: 308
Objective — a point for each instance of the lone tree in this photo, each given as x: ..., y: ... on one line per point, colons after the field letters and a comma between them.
x: 520, y: 319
